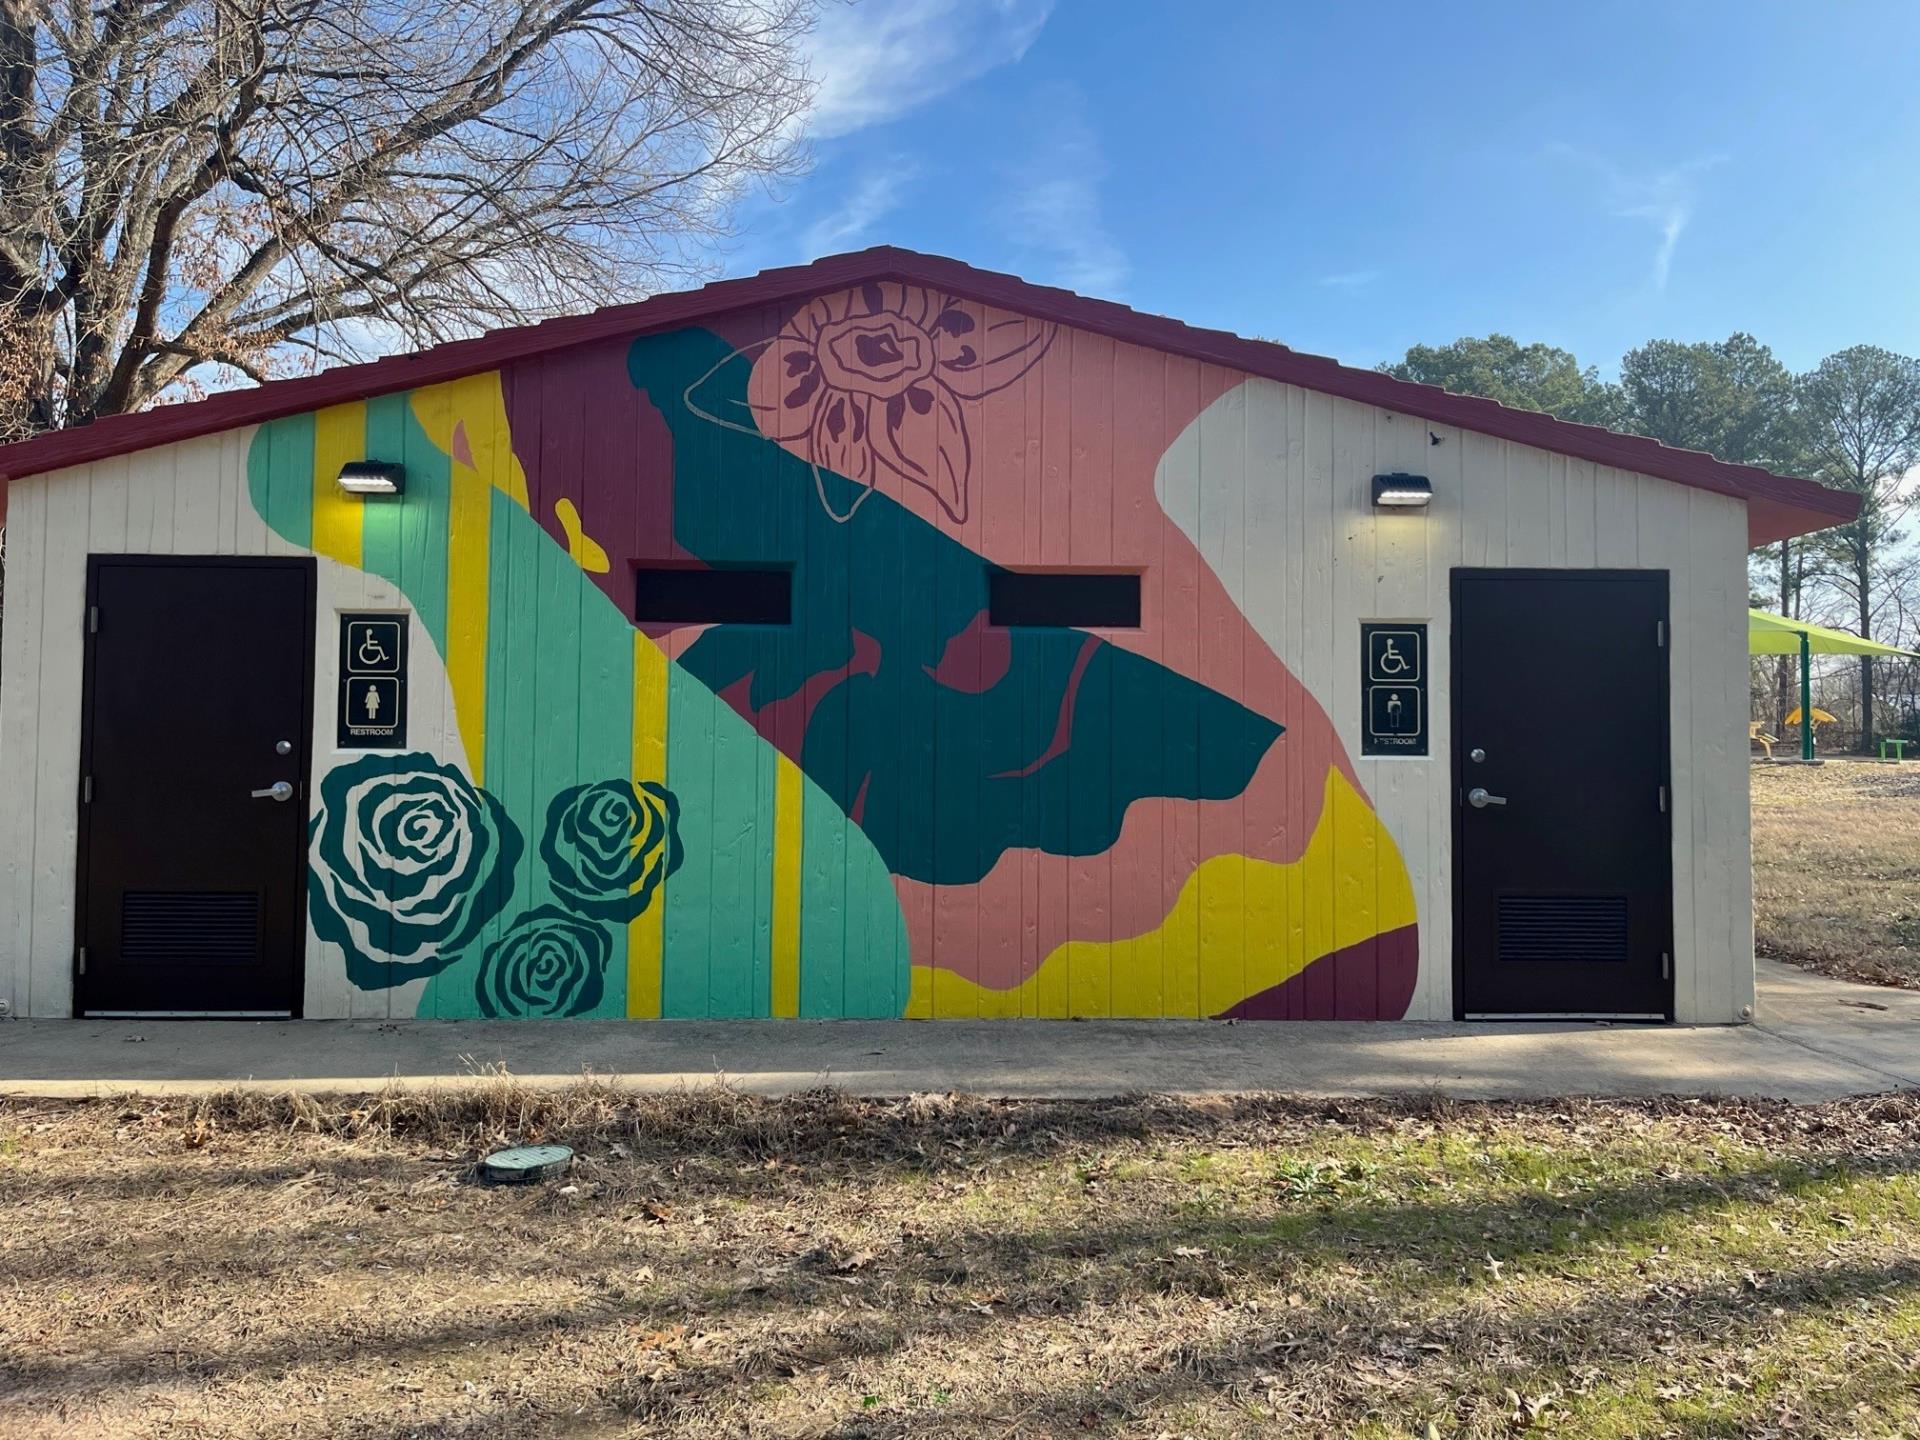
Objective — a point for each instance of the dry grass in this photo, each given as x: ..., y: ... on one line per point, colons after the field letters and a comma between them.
x: 1836, y: 869
x: 821, y: 1266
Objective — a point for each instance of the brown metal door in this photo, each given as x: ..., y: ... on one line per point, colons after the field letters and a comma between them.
x: 197, y: 725
x: 1563, y: 859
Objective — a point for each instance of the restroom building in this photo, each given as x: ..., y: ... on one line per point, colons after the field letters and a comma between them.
x: 879, y: 637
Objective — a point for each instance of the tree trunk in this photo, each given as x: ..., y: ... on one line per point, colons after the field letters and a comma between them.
x: 1866, y: 661
x: 1784, y: 681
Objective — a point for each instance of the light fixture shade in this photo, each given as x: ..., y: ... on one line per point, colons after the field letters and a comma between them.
x: 372, y: 477
x: 1401, y: 491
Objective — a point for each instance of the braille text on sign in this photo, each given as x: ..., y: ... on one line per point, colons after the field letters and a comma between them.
x: 1393, y: 688
x: 373, y: 682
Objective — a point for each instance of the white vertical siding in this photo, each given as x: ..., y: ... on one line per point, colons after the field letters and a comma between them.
x: 1280, y: 508
x: 186, y: 499
x: 1496, y: 504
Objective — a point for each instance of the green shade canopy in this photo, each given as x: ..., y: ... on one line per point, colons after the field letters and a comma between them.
x: 1776, y: 635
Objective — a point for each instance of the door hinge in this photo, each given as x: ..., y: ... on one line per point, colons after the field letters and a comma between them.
x: 83, y: 959
x: 1666, y: 965
x: 1663, y: 799
x: 93, y: 619
x: 86, y: 789
x: 1660, y: 634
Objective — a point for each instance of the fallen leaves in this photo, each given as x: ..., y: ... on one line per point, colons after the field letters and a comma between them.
x: 1235, y: 1266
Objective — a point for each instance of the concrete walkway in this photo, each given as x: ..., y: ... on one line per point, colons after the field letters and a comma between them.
x: 1815, y: 1039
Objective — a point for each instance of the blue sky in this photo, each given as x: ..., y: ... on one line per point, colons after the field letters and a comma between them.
x: 1352, y: 179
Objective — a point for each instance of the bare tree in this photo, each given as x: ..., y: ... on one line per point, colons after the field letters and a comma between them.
x: 265, y: 184
x: 1863, y: 409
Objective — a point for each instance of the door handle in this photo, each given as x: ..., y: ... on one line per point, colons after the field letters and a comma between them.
x: 281, y: 790
x: 1479, y: 799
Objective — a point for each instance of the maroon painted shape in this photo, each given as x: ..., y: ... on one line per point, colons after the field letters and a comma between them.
x: 1063, y: 722
x: 1370, y: 980
x: 975, y: 660
x: 1779, y: 506
x: 784, y: 720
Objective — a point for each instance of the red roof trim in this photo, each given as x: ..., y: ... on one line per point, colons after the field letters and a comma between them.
x: 1780, y: 505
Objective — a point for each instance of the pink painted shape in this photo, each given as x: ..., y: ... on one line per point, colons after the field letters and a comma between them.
x: 1161, y: 843
x: 881, y: 383
x: 1068, y: 480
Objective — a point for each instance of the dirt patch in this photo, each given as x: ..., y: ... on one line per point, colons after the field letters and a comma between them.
x: 822, y: 1266
x: 1836, y: 869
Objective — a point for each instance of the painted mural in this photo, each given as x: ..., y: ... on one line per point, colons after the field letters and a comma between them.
x: 886, y: 807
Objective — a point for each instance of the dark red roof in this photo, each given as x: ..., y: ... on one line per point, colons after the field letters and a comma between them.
x: 1778, y: 505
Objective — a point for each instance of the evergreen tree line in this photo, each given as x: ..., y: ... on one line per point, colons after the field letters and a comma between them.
x: 1852, y: 422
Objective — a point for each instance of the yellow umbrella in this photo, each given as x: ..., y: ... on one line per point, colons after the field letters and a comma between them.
x: 1820, y: 717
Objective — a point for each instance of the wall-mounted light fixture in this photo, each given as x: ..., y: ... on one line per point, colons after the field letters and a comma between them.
x: 1402, y: 492
x: 372, y: 477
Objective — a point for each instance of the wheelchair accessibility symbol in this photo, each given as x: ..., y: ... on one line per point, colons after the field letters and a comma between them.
x: 373, y: 647
x: 1393, y: 689
x: 371, y: 711
x: 1393, y: 656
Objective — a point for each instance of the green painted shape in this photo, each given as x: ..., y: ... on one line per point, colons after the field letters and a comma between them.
x: 1000, y: 782
x: 687, y: 948
x: 588, y: 712
x: 280, y: 478
x: 387, y: 422
x: 512, y: 737
x: 560, y: 713
x: 426, y: 518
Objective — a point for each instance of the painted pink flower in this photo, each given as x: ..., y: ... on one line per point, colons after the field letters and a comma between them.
x: 876, y: 381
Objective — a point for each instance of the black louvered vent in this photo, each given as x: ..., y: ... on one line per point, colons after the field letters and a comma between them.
x: 1563, y: 927
x: 189, y: 927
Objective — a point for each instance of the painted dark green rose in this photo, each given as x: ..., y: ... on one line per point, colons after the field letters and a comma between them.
x: 549, y: 963
x: 408, y: 861
x: 609, y: 845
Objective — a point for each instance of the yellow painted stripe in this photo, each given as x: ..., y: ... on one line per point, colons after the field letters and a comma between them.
x: 646, y: 932
x: 339, y: 435
x: 467, y: 419
x: 1355, y: 887
x: 469, y: 548
x: 787, y: 800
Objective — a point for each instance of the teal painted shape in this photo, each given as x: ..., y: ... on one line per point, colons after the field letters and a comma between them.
x: 560, y: 713
x: 280, y: 478
x: 381, y: 552
x: 402, y: 861
x: 686, y: 928
x: 403, y: 537
x: 886, y: 586
x: 425, y: 519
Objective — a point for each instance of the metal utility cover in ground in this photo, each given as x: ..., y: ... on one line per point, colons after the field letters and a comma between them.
x: 525, y: 1164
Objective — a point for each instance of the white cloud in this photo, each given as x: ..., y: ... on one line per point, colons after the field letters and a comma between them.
x: 1348, y: 280
x: 1054, y: 215
x: 1664, y: 199
x: 880, y: 58
x: 877, y: 195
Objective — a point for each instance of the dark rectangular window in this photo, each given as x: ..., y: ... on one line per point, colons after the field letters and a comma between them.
x: 1075, y: 598
x: 680, y: 595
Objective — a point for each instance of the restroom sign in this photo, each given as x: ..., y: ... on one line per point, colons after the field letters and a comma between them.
x: 373, y: 682
x: 1393, y: 688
